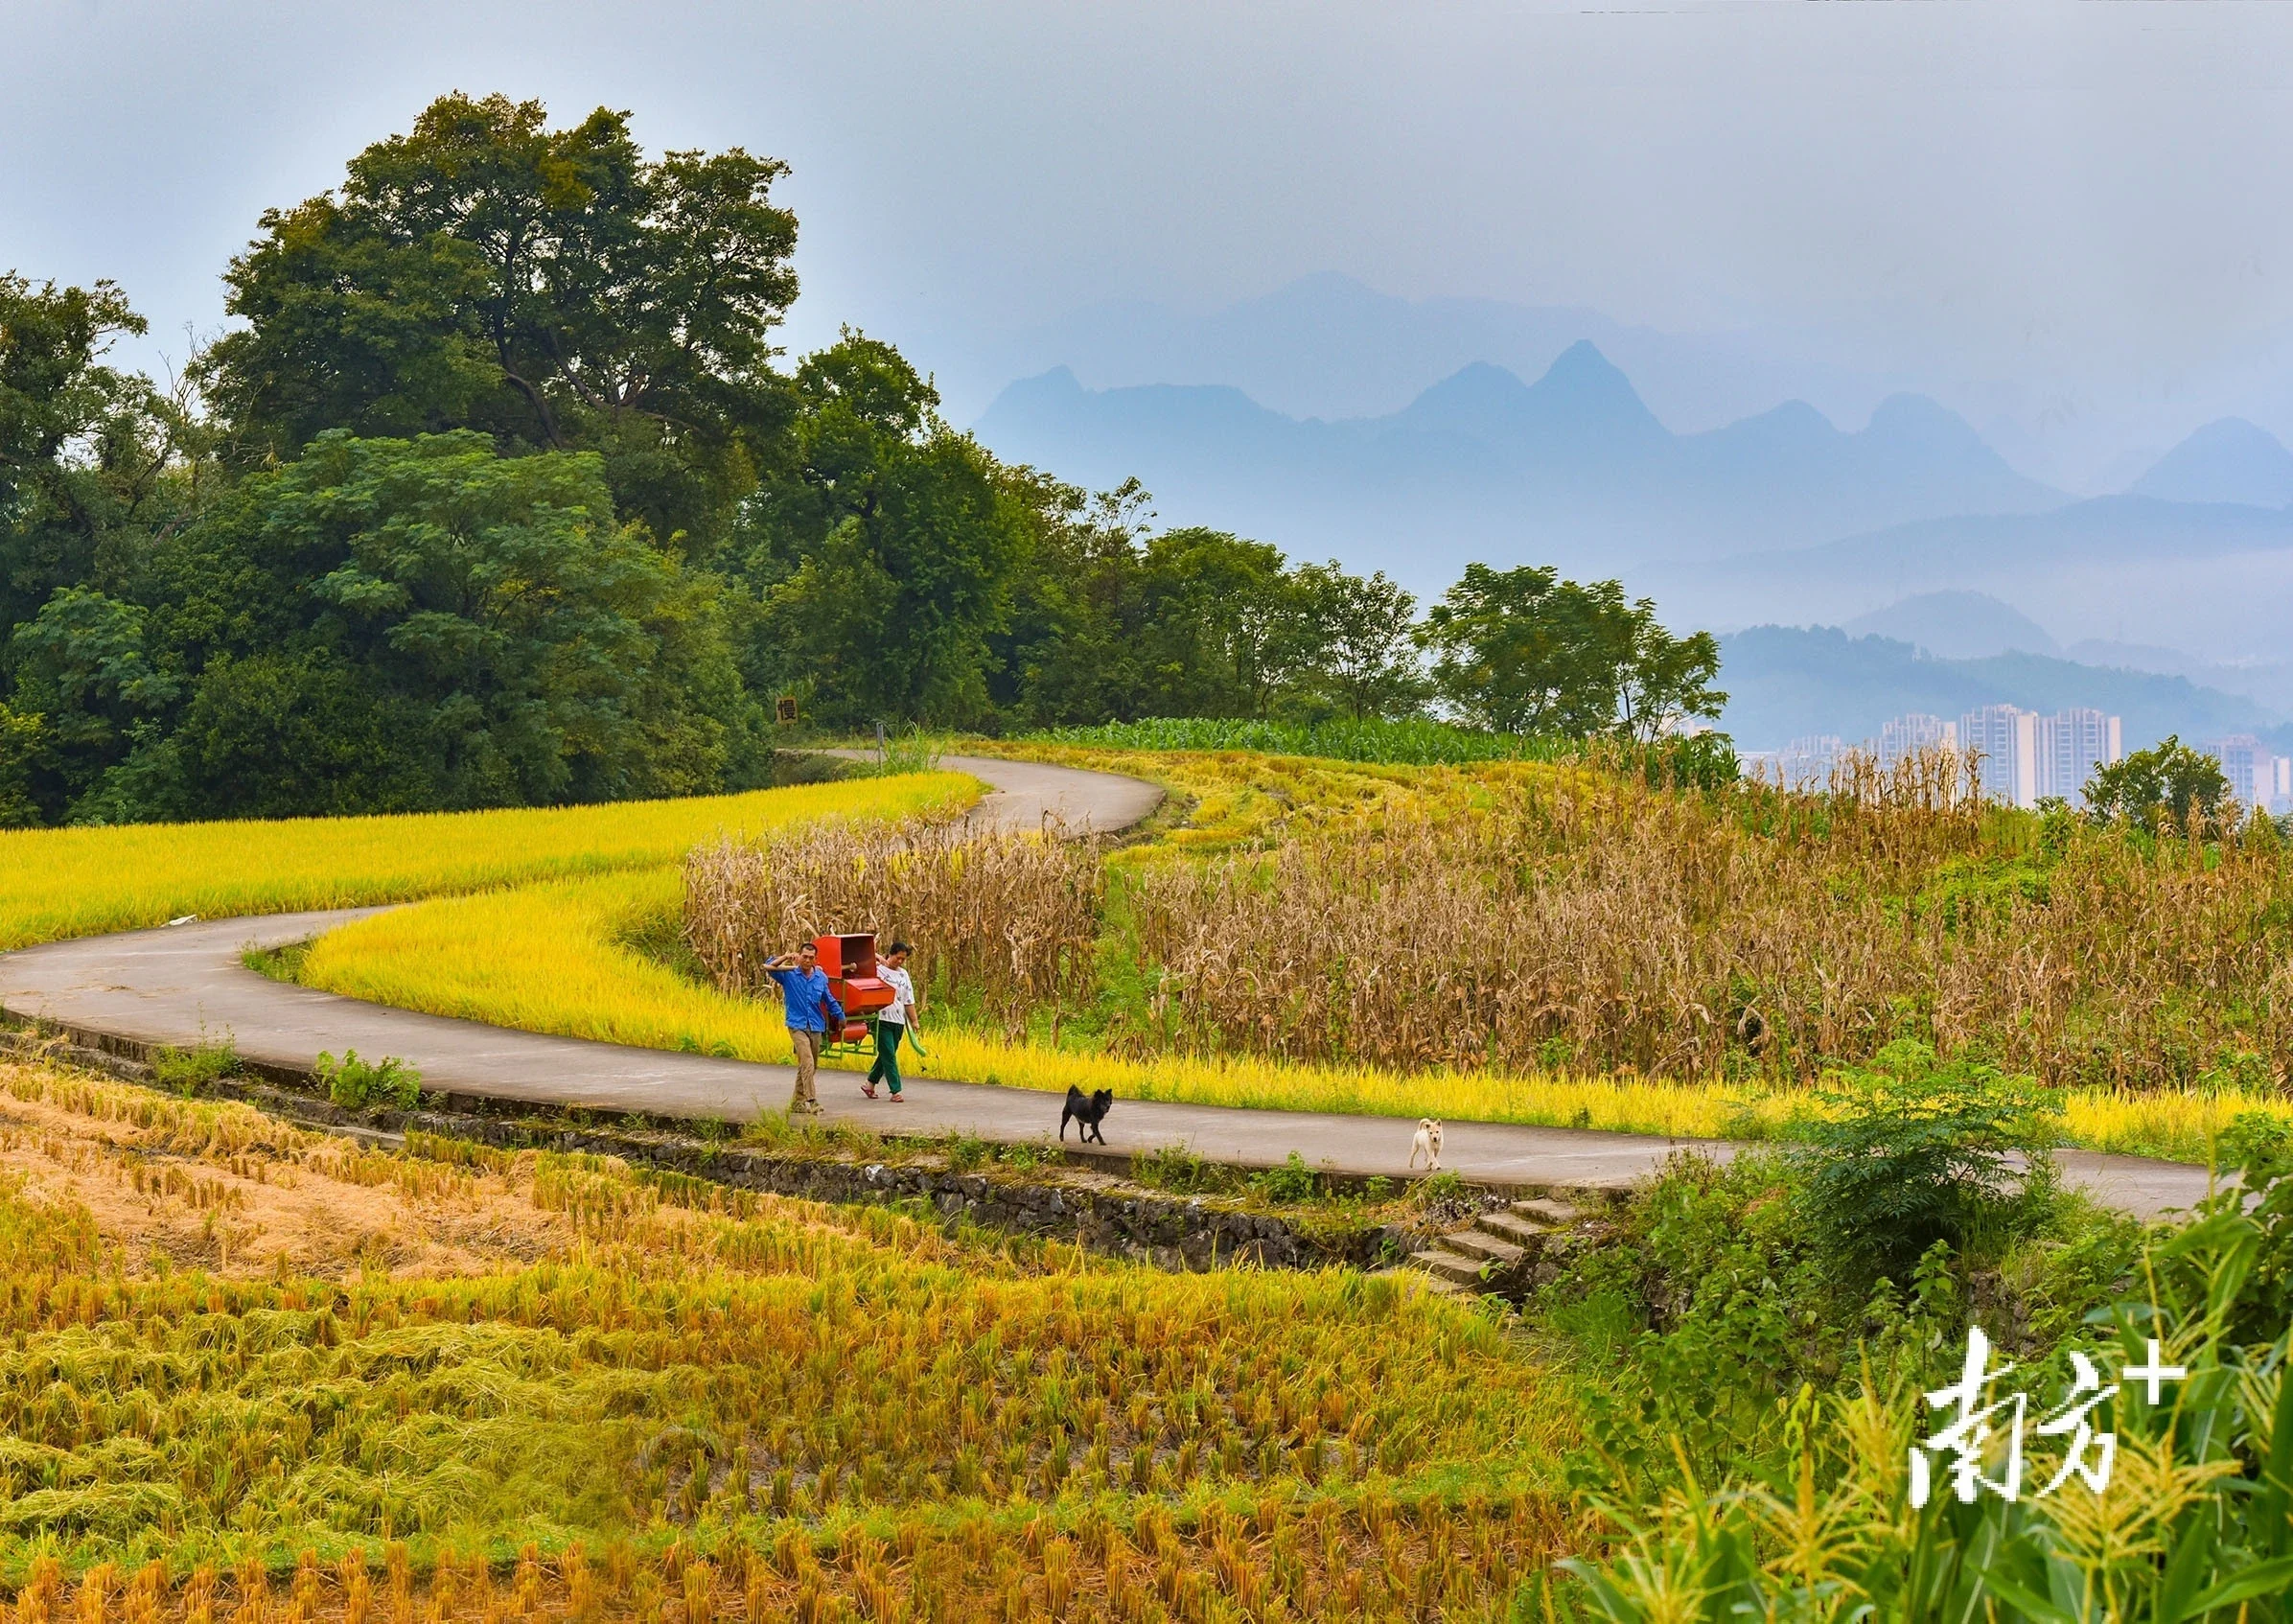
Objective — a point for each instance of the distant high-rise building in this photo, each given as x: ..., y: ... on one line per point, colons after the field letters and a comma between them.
x: 1806, y: 763
x: 2008, y: 737
x: 1907, y: 735
x: 2282, y: 798
x: 2071, y: 745
x: 2249, y: 768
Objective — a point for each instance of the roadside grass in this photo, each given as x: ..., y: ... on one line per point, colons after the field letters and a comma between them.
x: 240, y: 1353
x: 549, y: 958
x: 70, y: 882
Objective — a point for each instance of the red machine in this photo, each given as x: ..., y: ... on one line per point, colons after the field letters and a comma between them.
x: 850, y: 961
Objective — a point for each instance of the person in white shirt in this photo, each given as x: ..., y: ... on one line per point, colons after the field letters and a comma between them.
x: 897, y: 1020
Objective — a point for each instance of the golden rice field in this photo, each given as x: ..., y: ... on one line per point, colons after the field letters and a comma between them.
x: 255, y: 1372
x: 70, y: 882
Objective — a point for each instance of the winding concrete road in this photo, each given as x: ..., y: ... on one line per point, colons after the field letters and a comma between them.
x: 186, y: 984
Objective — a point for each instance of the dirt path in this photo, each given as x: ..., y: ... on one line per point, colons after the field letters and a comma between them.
x: 174, y: 987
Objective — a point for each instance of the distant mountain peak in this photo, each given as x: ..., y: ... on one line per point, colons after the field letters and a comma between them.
x: 1958, y: 625
x: 1581, y: 405
x: 2228, y: 460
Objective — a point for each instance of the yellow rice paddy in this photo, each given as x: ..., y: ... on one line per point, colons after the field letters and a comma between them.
x: 56, y: 883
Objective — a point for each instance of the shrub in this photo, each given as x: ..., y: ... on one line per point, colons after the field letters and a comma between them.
x: 2169, y: 784
x: 1292, y: 1181
x: 187, y: 1071
x: 354, y: 1084
x: 2195, y: 1524
x: 1914, y: 1151
x: 1178, y: 1169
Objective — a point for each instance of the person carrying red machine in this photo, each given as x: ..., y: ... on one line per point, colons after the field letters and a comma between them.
x: 812, y: 1013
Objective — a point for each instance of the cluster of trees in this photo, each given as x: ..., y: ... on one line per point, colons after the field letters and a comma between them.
x: 497, y: 494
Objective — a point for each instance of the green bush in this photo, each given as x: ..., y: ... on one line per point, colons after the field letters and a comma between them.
x: 1292, y: 1181
x: 187, y: 1071
x: 1178, y: 1169
x: 1912, y: 1152
x: 354, y: 1084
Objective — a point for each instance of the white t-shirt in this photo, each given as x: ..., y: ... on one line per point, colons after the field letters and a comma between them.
x: 903, y: 994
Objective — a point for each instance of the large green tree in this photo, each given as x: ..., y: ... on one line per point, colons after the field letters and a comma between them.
x: 1359, y: 642
x: 554, y: 289
x: 2168, y: 784
x: 389, y: 624
x: 1524, y: 652
x: 85, y: 448
x: 885, y: 561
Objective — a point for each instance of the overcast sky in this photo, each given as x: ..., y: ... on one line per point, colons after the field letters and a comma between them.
x: 2087, y: 200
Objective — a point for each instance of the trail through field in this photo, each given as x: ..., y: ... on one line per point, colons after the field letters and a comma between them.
x: 185, y: 985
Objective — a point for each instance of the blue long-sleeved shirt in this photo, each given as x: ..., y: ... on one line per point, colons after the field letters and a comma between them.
x: 806, y: 992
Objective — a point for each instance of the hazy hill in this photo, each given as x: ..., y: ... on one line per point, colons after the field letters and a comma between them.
x: 1785, y: 682
x: 2122, y: 568
x: 1573, y: 469
x: 2266, y: 683
x: 1328, y: 347
x: 2230, y: 460
x: 1957, y: 625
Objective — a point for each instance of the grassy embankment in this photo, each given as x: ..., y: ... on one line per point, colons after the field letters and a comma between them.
x: 591, y: 957
x: 460, y: 1382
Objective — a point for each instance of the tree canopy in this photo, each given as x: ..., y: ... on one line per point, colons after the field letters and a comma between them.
x: 2169, y: 782
x: 1524, y: 652
x: 553, y: 288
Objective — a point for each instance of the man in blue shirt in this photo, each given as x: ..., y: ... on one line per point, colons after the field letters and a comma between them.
x: 812, y: 1014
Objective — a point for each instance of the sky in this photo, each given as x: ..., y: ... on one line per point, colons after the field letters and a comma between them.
x: 2072, y: 215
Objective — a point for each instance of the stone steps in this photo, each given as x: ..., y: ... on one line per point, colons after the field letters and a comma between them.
x: 1456, y: 1267
x: 1479, y: 1243
x: 1525, y: 1232
x: 1494, y: 1256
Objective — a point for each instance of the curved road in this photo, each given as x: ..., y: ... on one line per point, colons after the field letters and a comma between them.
x: 186, y: 984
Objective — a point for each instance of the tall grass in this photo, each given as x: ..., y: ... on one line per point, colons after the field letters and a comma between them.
x: 72, y: 882
x: 705, y: 1402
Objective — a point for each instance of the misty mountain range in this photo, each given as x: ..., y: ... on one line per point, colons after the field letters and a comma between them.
x: 1573, y: 469
x: 1774, y: 519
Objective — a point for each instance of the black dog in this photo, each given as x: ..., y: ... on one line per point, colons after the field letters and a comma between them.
x: 1088, y: 1110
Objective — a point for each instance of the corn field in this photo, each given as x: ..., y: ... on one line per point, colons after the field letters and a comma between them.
x: 679, y: 1400
x: 1582, y: 921
x: 1015, y: 916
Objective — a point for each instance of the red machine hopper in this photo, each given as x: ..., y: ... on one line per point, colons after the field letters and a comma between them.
x: 850, y: 961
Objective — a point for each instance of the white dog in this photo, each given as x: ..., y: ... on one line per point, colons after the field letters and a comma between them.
x: 1427, y: 1143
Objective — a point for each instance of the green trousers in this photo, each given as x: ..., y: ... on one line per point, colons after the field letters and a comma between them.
x: 886, y: 1068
